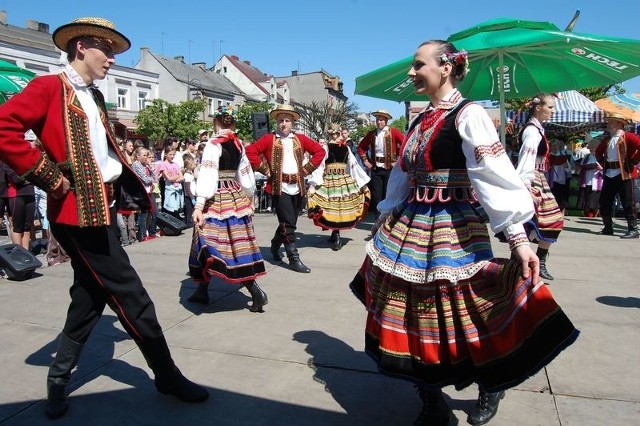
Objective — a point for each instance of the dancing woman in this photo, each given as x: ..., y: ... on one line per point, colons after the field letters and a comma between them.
x: 442, y: 310
x: 338, y: 193
x: 224, y: 242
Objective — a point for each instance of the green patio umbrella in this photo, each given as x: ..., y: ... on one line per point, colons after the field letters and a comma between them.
x: 513, y: 58
x: 12, y: 79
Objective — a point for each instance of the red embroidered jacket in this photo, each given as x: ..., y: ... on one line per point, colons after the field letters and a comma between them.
x: 392, y: 142
x: 49, y: 106
x: 269, y: 147
x: 628, y: 147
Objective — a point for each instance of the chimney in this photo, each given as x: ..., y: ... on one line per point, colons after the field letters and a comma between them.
x: 201, y: 65
x: 294, y: 73
x: 247, y: 62
x: 235, y: 58
x: 43, y: 28
x: 179, y: 58
x: 3, y: 17
x: 31, y: 25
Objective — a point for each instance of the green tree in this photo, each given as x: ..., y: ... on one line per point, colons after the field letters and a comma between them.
x: 244, y: 127
x: 400, y: 123
x: 160, y: 119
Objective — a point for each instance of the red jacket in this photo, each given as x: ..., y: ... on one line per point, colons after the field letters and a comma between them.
x: 392, y: 143
x: 49, y: 107
x: 265, y: 156
x: 628, y: 147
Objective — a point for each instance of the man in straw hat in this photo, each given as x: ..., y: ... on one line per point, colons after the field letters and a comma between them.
x: 379, y: 151
x: 83, y: 170
x: 618, y: 154
x: 283, y: 152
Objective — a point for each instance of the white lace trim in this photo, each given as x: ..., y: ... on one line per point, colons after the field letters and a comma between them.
x: 422, y: 276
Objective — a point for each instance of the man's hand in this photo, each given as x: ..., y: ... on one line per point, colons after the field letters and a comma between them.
x: 368, y: 165
x: 62, y: 189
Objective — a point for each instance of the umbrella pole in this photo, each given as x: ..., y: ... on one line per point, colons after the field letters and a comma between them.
x: 503, y: 113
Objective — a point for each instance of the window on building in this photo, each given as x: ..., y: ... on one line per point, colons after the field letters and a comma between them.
x: 210, y: 106
x: 142, y: 99
x: 123, y: 98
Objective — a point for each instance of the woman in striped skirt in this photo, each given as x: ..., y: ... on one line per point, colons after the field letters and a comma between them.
x: 533, y: 161
x: 224, y: 242
x: 338, y: 192
x: 442, y: 310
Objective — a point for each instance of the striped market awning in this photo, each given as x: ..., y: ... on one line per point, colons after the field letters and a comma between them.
x: 572, y: 112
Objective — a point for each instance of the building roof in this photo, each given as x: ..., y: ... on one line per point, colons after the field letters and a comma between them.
x: 197, y: 76
x: 40, y: 39
x: 252, y: 73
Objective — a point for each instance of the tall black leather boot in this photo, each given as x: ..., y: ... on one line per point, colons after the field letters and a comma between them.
x: 332, y: 238
x: 258, y: 296
x: 435, y: 410
x: 168, y: 379
x: 276, y: 242
x: 200, y: 294
x: 59, y: 376
x: 337, y: 244
x: 608, y: 226
x: 295, y: 264
x: 632, y: 232
x: 543, y: 254
x: 486, y: 407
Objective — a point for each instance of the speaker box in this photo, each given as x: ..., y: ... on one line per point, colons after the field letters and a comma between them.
x: 18, y: 263
x: 170, y: 225
x: 259, y: 124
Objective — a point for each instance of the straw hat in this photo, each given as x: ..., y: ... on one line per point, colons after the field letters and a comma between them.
x: 90, y: 27
x: 284, y: 109
x: 381, y: 113
x: 615, y: 116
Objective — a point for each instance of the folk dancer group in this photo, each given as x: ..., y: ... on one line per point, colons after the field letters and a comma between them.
x: 442, y: 310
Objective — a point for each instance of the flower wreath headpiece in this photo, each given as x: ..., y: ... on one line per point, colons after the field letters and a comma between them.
x: 456, y: 58
x: 225, y: 110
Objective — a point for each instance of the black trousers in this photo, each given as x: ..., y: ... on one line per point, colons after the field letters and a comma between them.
x: 287, y: 209
x: 378, y: 187
x: 624, y: 189
x: 103, y: 275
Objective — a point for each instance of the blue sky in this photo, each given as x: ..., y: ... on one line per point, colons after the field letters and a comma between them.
x: 347, y: 38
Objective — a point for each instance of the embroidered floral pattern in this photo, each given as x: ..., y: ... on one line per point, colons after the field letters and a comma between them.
x: 44, y: 174
x: 494, y: 150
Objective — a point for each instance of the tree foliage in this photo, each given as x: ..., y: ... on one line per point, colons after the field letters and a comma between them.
x: 160, y: 119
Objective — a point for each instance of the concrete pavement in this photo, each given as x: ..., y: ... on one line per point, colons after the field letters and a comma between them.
x: 302, y: 361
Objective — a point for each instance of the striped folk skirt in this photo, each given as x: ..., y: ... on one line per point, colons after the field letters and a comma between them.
x: 339, y: 203
x: 226, y: 245
x: 443, y: 311
x: 548, y: 221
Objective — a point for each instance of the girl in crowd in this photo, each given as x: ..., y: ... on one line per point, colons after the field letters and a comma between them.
x: 442, y: 310
x: 171, y: 172
x: 533, y: 161
x: 591, y: 176
x: 190, y: 165
x: 143, y: 166
x: 224, y: 242
x: 338, y: 195
x: 21, y: 206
